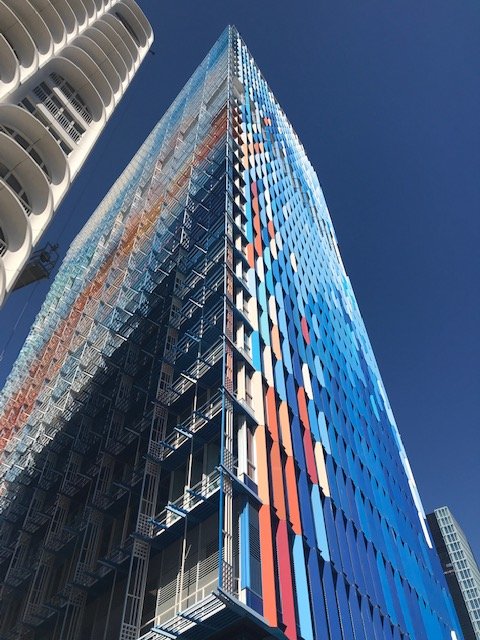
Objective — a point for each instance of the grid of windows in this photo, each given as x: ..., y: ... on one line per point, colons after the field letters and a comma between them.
x: 462, y: 561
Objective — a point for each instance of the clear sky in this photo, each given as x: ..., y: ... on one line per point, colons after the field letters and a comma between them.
x: 385, y: 96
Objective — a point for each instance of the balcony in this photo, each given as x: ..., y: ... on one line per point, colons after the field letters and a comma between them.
x: 182, y: 433
x: 197, y: 501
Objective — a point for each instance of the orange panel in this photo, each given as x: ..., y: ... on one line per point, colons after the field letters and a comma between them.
x: 285, y: 428
x: 268, y: 568
x: 275, y: 336
x: 250, y: 255
x: 271, y: 229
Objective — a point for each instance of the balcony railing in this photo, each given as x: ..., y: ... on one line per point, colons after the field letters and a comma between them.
x: 191, y: 498
x: 59, y: 116
x: 183, y: 432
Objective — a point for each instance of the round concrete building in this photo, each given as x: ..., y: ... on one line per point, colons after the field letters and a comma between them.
x: 64, y: 65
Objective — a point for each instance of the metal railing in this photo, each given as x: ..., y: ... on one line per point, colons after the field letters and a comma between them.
x: 59, y: 116
x: 79, y: 107
x: 192, y: 424
x: 190, y: 498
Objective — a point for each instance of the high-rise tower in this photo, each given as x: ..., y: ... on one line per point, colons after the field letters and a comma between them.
x: 196, y: 439
x: 64, y: 65
x: 460, y: 569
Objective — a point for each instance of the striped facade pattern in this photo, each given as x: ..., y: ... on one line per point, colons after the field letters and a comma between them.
x: 195, y: 436
x: 460, y: 568
x: 64, y: 65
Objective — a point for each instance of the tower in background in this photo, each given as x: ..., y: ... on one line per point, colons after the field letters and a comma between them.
x: 460, y: 569
x: 195, y: 438
x: 64, y: 65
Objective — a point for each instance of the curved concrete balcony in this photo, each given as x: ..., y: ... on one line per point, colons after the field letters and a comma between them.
x: 114, y: 30
x: 35, y: 26
x: 91, y: 9
x: 53, y: 21
x: 94, y: 73
x: 97, y: 34
x: 33, y: 181
x: 80, y: 13
x: 140, y: 16
x: 43, y: 142
x: 18, y: 234
x: 99, y: 56
x: 18, y: 53
x: 67, y: 15
x: 9, y: 67
x: 132, y: 24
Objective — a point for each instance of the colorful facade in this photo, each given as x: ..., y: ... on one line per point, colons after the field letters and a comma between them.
x: 196, y: 439
x: 64, y: 67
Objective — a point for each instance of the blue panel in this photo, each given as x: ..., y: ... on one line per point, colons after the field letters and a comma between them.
x: 330, y: 598
x: 302, y: 594
x: 319, y: 522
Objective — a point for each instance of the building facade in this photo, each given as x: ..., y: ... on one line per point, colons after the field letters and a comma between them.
x: 64, y: 65
x: 460, y: 569
x: 195, y: 438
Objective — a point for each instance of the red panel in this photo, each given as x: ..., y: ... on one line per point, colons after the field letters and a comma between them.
x: 292, y: 496
x: 306, y: 334
x: 286, y: 581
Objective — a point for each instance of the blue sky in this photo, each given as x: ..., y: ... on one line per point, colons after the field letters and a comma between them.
x: 386, y: 99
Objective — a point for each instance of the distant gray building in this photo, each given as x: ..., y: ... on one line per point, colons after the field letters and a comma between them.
x: 460, y: 568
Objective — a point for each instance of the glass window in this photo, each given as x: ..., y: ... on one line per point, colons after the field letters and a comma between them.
x: 11, y: 179
x: 127, y: 26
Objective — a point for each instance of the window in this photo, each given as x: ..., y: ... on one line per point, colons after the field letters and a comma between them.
x: 251, y: 457
x: 248, y: 389
x: 127, y: 26
x: 243, y: 339
x: 28, y: 146
x: 165, y: 378
x: 11, y: 179
x: 169, y: 344
x: 3, y: 243
x: 12, y: 47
